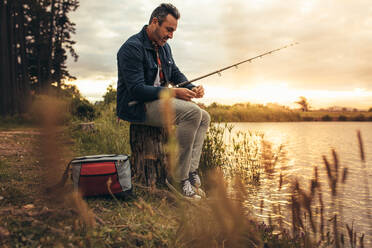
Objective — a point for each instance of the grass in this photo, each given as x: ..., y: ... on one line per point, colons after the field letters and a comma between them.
x: 245, y: 154
x: 108, y: 136
x: 16, y: 122
x: 155, y: 217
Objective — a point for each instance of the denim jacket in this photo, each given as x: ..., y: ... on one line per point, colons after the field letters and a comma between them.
x: 137, y: 70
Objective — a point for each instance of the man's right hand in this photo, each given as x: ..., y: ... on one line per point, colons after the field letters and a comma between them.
x: 183, y: 93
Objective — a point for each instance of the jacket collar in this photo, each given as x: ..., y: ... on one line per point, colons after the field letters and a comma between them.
x: 146, y: 41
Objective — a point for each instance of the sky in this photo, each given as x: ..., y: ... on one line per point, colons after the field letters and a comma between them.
x: 331, y: 65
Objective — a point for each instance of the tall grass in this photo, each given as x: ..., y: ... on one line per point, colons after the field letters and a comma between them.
x: 314, y: 221
x: 319, y: 222
x: 243, y: 154
x: 107, y: 136
x: 223, y: 220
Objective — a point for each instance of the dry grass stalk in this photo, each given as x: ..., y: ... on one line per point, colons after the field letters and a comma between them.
x: 223, y: 222
x: 82, y: 209
x: 48, y: 110
x: 335, y: 232
x: 366, y: 183
x: 280, y: 181
x: 332, y: 172
x: 261, y: 206
x: 344, y: 175
x: 51, y: 152
x: 361, y: 241
x: 351, y: 235
x: 361, y: 147
x: 305, y: 200
x: 172, y: 145
x: 320, y: 197
x: 296, y: 210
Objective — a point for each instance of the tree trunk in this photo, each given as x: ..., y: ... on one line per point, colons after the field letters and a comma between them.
x: 12, y: 59
x: 4, y: 60
x: 148, y: 159
x: 24, y: 98
x: 50, y: 42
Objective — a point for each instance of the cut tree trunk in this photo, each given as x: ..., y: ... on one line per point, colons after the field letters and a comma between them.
x: 148, y: 158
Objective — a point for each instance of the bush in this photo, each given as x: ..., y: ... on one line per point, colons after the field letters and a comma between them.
x: 342, y: 118
x: 82, y: 109
x: 307, y: 118
x: 326, y: 118
x: 360, y: 117
x: 214, y: 152
x: 110, y: 96
x: 247, y: 155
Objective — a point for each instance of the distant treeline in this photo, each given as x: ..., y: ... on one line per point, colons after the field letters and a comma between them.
x: 247, y: 112
x: 35, y: 38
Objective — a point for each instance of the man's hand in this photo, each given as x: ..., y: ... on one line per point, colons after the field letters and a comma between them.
x: 199, y: 90
x: 184, y: 94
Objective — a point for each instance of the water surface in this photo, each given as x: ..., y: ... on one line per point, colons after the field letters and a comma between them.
x: 305, y: 143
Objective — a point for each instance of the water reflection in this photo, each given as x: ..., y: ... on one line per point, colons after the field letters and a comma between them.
x: 304, y: 145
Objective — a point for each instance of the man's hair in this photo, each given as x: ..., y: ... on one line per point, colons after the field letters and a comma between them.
x: 163, y: 10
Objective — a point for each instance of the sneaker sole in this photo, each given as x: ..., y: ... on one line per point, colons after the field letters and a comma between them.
x: 199, y: 192
x: 174, y: 190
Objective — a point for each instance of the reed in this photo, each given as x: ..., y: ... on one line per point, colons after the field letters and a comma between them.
x: 108, y: 136
x: 305, y: 205
x: 365, y: 178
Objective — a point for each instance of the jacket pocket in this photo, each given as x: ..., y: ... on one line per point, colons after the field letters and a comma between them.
x: 150, y: 70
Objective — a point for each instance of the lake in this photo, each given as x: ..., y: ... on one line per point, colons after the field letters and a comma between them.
x: 305, y: 143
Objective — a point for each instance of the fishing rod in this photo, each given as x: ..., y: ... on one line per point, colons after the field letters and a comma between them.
x: 225, y: 68
x: 234, y: 65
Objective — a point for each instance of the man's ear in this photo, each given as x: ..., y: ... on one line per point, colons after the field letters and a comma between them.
x: 155, y: 20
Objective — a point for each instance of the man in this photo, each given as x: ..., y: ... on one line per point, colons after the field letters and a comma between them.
x: 145, y: 67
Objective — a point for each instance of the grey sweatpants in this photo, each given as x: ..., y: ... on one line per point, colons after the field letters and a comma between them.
x: 192, y: 123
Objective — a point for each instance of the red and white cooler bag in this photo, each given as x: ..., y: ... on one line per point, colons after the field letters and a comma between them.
x: 91, y: 174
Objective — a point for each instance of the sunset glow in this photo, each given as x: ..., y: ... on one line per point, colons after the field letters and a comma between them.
x: 330, y: 66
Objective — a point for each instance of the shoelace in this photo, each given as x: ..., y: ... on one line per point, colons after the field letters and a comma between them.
x: 194, y: 177
x: 187, y: 188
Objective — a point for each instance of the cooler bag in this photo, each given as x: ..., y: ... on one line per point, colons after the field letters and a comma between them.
x: 90, y: 174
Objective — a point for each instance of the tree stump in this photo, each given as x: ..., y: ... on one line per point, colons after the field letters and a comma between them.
x: 87, y: 126
x: 148, y: 158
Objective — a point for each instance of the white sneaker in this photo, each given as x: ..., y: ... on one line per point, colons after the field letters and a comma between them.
x: 194, y: 179
x: 188, y: 191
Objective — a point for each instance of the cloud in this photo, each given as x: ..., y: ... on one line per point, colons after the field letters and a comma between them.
x: 334, y: 53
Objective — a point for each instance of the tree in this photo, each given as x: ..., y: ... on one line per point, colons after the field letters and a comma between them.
x: 305, y: 106
x: 14, y: 80
x: 370, y: 110
x: 110, y: 95
x: 35, y: 37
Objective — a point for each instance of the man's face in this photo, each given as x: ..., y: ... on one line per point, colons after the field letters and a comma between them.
x: 165, y: 31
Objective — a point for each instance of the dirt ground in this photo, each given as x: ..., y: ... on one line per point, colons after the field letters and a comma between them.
x: 27, y: 215
x: 32, y: 216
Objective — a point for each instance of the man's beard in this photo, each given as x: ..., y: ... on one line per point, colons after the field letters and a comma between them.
x: 161, y: 40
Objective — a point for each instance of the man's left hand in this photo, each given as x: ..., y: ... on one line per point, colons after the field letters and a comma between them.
x: 199, y: 90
